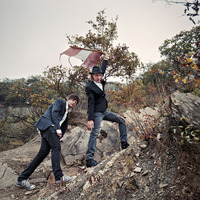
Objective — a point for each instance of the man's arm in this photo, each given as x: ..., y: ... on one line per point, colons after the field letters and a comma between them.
x: 91, y: 102
x: 105, y: 62
x: 55, y: 116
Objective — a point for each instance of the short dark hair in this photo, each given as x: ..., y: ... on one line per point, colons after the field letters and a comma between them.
x: 74, y: 97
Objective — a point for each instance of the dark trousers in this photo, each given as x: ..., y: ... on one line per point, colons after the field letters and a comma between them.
x: 49, y: 141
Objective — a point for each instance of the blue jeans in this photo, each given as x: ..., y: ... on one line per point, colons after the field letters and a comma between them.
x: 49, y: 141
x: 98, y: 117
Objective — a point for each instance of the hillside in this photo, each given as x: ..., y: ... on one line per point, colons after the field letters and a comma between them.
x: 161, y: 165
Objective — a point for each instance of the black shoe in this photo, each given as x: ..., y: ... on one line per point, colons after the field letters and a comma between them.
x: 91, y: 163
x: 124, y: 145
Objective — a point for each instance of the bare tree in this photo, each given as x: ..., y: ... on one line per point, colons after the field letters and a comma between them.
x: 191, y: 7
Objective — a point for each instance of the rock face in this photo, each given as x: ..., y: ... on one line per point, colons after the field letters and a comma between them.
x: 7, y: 176
x: 187, y: 106
x: 14, y: 160
x: 74, y: 145
x: 158, y: 167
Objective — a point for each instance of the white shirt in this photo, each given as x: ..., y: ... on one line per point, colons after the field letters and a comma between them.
x: 64, y: 117
x: 99, y: 85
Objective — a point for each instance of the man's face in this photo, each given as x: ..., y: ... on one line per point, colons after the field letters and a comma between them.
x: 71, y: 103
x: 97, y: 77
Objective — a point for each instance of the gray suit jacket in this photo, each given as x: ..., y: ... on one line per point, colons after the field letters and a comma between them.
x: 53, y: 115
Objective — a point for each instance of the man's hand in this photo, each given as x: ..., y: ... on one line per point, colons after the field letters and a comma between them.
x: 106, y: 55
x: 90, y: 125
x: 59, y: 133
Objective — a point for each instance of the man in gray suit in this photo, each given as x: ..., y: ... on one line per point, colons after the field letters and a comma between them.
x: 52, y: 126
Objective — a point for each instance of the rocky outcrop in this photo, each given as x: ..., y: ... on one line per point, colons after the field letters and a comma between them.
x: 7, y: 176
x: 74, y: 146
x: 156, y: 167
x: 186, y: 106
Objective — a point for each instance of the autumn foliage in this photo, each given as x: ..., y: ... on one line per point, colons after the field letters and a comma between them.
x: 189, y: 70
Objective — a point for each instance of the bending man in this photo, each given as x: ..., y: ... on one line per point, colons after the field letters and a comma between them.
x: 52, y: 126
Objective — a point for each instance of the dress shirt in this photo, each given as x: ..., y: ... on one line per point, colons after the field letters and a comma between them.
x: 99, y: 85
x: 64, y: 117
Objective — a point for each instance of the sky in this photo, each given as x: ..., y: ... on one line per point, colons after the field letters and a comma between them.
x: 33, y: 32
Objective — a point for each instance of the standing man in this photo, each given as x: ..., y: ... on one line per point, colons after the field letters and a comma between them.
x: 52, y: 126
x: 97, y: 105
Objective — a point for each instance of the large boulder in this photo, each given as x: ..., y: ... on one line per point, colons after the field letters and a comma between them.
x: 186, y: 106
x: 7, y: 176
x: 74, y: 144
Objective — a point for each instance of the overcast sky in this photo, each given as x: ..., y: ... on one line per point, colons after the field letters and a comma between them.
x: 33, y: 32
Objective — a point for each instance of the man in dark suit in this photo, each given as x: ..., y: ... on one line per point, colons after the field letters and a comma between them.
x: 52, y: 126
x: 97, y: 105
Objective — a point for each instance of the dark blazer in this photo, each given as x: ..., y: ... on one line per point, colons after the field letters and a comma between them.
x: 53, y: 115
x: 96, y: 97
